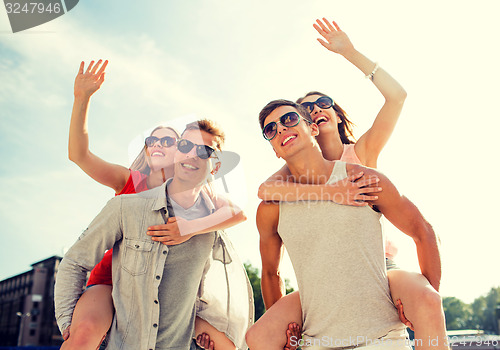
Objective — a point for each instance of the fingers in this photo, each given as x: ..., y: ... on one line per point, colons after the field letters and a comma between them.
x: 80, y: 70
x: 355, y: 177
x: 66, y: 333
x: 89, y: 67
x: 95, y: 67
x: 401, y: 314
x: 323, y: 27
x: 203, y: 341
x: 320, y: 31
x: 162, y: 226
x: 100, y: 80
x: 324, y: 43
x: 329, y: 25
x: 336, y: 25
x: 158, y: 233
x: 101, y: 71
x: 368, y: 182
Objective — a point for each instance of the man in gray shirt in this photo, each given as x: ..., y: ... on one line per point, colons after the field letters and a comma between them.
x: 336, y: 250
x: 154, y: 285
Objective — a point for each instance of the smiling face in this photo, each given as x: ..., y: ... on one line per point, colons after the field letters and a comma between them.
x: 290, y: 141
x: 158, y: 156
x: 326, y: 119
x: 189, y: 167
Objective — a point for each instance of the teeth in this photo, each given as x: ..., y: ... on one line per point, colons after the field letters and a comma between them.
x: 189, y: 166
x: 320, y: 120
x: 288, y: 139
x: 157, y: 154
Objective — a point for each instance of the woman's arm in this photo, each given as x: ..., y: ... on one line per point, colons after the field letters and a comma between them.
x: 178, y: 230
x: 108, y: 174
x: 352, y: 190
x: 373, y: 141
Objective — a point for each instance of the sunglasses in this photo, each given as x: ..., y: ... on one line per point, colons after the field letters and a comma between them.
x: 288, y: 120
x: 324, y: 102
x: 166, y: 141
x: 202, y: 151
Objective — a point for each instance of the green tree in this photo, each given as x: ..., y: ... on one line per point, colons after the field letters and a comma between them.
x: 490, y: 322
x: 254, y: 277
x: 457, y: 313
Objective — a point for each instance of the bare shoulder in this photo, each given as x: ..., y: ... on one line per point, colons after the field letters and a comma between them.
x: 267, y: 217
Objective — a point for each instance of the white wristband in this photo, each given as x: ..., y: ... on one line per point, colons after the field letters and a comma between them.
x: 375, y: 69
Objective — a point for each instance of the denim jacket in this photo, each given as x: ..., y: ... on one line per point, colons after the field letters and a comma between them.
x: 138, y: 265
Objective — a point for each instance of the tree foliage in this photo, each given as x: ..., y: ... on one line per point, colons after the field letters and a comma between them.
x: 254, y: 277
x: 480, y: 314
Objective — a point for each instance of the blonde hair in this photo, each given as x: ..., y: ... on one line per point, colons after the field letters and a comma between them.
x: 140, y: 164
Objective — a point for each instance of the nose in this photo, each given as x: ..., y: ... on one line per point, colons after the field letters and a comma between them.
x: 192, y: 153
x: 316, y: 109
x: 281, y: 128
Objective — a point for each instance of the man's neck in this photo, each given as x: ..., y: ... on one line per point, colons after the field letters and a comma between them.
x: 309, y: 167
x: 183, y: 193
x: 158, y: 177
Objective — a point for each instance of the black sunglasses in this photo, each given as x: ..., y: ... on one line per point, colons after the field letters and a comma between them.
x: 202, y: 151
x: 288, y: 120
x: 166, y: 141
x: 324, y: 102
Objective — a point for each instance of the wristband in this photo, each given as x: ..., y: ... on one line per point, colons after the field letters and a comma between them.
x: 375, y: 69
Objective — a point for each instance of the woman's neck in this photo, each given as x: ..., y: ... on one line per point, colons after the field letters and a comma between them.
x: 331, y: 146
x: 158, y: 177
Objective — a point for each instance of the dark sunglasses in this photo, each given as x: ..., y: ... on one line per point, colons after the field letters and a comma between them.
x: 202, y: 151
x: 288, y: 120
x: 166, y: 141
x: 324, y: 102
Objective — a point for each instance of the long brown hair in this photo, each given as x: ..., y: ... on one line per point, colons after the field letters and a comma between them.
x: 140, y: 164
x: 345, y: 126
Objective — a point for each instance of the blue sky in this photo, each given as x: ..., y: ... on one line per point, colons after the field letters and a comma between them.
x: 225, y: 60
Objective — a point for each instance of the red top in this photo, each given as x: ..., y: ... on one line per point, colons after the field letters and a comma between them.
x: 101, y: 273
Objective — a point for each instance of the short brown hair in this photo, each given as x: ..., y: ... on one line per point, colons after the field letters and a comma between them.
x: 271, y: 106
x: 210, y: 127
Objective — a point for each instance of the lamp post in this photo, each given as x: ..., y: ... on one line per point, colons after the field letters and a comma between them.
x: 21, y: 326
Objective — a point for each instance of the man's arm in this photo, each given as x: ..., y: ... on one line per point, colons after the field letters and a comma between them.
x: 403, y: 214
x: 271, y: 252
x: 85, y: 253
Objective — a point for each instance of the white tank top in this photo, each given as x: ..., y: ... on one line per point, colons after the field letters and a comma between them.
x: 337, y: 252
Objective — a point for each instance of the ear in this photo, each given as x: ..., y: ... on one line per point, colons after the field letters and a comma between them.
x: 338, y: 118
x: 216, y: 169
x: 314, y: 130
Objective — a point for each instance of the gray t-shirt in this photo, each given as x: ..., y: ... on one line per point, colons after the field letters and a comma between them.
x: 181, y: 278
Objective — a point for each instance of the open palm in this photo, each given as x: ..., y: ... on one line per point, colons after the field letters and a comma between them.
x: 336, y: 40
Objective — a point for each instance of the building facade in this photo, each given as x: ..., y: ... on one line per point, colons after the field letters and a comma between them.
x: 27, y: 306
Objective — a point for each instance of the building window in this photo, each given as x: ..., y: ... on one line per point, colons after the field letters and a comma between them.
x: 32, y: 332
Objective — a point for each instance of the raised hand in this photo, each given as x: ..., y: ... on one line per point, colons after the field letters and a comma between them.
x: 88, y: 82
x: 336, y: 40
